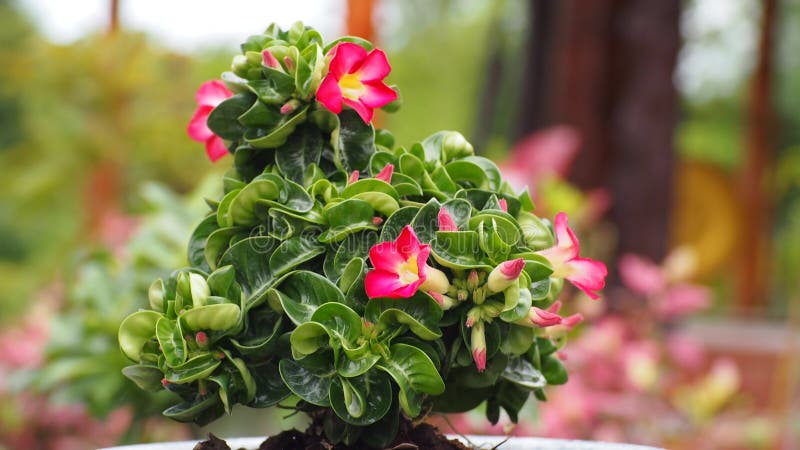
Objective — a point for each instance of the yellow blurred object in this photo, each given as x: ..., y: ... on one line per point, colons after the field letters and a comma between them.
x: 705, y: 216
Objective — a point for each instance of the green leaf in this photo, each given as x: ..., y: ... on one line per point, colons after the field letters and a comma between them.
x: 147, y: 377
x: 354, y: 39
x: 248, y: 257
x: 310, y: 386
x: 135, y: 331
x: 347, y: 367
x: 361, y: 400
x: 302, y: 292
x: 489, y: 168
x: 224, y: 119
x: 293, y: 252
x: 347, y: 217
x: 426, y: 222
x: 275, y: 88
x: 219, y: 241
x: 420, y: 313
x: 222, y: 283
x: 553, y: 370
x: 243, y: 207
x: 502, y: 223
x: 197, y: 368
x: 276, y: 136
x: 307, y: 338
x: 382, y: 433
x: 518, y: 341
x: 303, y: 148
x: 414, y: 373
x: 261, y: 334
x: 342, y: 323
x: 463, y: 171
x: 456, y: 398
x: 353, y: 142
x: 155, y: 295
x: 536, y: 234
x: 170, y: 338
x: 518, y: 304
x: 270, y: 389
x: 201, y: 411
x: 197, y: 242
x: 396, y: 222
x: 520, y: 371
x: 219, y: 317
x: 458, y: 250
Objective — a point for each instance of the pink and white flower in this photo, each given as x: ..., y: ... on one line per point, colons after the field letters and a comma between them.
x: 209, y: 96
x: 586, y: 274
x: 401, y: 268
x: 355, y: 78
x: 505, y: 274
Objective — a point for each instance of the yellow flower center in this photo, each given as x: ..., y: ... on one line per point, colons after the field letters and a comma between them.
x: 408, y: 271
x: 351, y: 86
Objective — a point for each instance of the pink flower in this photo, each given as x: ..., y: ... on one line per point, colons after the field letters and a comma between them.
x: 210, y: 94
x: 586, y: 274
x: 400, y: 266
x: 641, y: 275
x: 503, y: 204
x: 355, y: 78
x: 386, y: 173
x: 446, y: 222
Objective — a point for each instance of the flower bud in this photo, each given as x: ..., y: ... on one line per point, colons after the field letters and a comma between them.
x: 377, y: 220
x: 253, y: 58
x: 478, y: 343
x: 289, y: 107
x: 164, y: 382
x: 454, y: 145
x: 353, y: 177
x: 543, y: 318
x: 202, y: 339
x: 435, y: 280
x: 239, y: 65
x: 474, y: 316
x: 472, y: 280
x: 462, y: 295
x: 269, y: 60
x: 444, y: 301
x: 446, y: 222
x: 503, y: 204
x: 386, y: 173
x: 505, y: 274
x: 289, y: 62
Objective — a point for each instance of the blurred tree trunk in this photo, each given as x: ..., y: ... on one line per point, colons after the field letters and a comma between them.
x: 759, y: 160
x: 606, y: 68
x: 359, y: 19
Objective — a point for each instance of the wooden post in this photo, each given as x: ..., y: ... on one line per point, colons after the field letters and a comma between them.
x: 359, y: 18
x: 759, y: 154
x: 113, y: 25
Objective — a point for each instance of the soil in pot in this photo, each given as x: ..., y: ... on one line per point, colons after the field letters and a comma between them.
x: 409, y: 437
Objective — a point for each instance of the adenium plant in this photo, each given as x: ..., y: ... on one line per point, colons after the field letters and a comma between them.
x: 365, y: 280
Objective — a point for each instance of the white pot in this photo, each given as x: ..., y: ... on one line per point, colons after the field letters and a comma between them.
x: 516, y: 443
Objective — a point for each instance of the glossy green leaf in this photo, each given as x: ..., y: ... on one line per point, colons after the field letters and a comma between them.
x: 275, y: 88
x: 197, y: 368
x: 219, y: 241
x: 155, y: 295
x: 521, y: 372
x: 536, y: 234
x: 276, y: 136
x: 396, y: 222
x: 348, y: 367
x: 220, y: 317
x: 147, y: 377
x: 361, y: 400
x: 503, y: 224
x: 414, y: 374
x: 170, y: 338
x: 420, y: 313
x: 223, y: 120
x: 293, y: 252
x: 201, y: 411
x: 248, y: 257
x: 518, y: 304
x: 310, y: 386
x: 222, y: 283
x: 303, y: 148
x: 458, y: 250
x: 302, y: 292
x: 462, y: 171
x: 243, y: 207
x: 135, y: 331
x: 197, y: 242
x: 353, y: 142
x: 553, y: 370
x: 347, y: 217
x: 426, y: 222
x: 307, y: 338
x: 260, y: 336
x: 270, y: 389
x: 489, y: 168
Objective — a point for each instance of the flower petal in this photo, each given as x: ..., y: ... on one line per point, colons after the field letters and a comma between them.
x: 384, y: 256
x: 364, y: 111
x: 347, y: 58
x: 565, y: 238
x: 330, y: 95
x: 198, y: 128
x: 375, y: 66
x: 215, y: 148
x: 377, y: 94
x: 587, y: 275
x: 386, y: 173
x: 379, y: 283
x: 408, y: 243
x: 212, y: 93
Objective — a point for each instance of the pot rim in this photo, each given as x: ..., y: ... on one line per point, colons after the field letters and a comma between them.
x: 529, y: 442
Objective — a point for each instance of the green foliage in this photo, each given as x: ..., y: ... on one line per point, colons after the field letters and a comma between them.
x: 274, y: 303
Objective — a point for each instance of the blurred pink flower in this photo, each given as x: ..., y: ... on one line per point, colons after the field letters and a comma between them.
x: 681, y: 300
x: 209, y: 96
x: 640, y: 275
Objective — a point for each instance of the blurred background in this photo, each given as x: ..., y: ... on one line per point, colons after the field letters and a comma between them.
x: 668, y: 130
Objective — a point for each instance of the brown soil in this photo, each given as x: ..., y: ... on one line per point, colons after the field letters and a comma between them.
x: 420, y: 437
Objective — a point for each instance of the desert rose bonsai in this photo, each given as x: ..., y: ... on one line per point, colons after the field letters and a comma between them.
x: 371, y: 283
